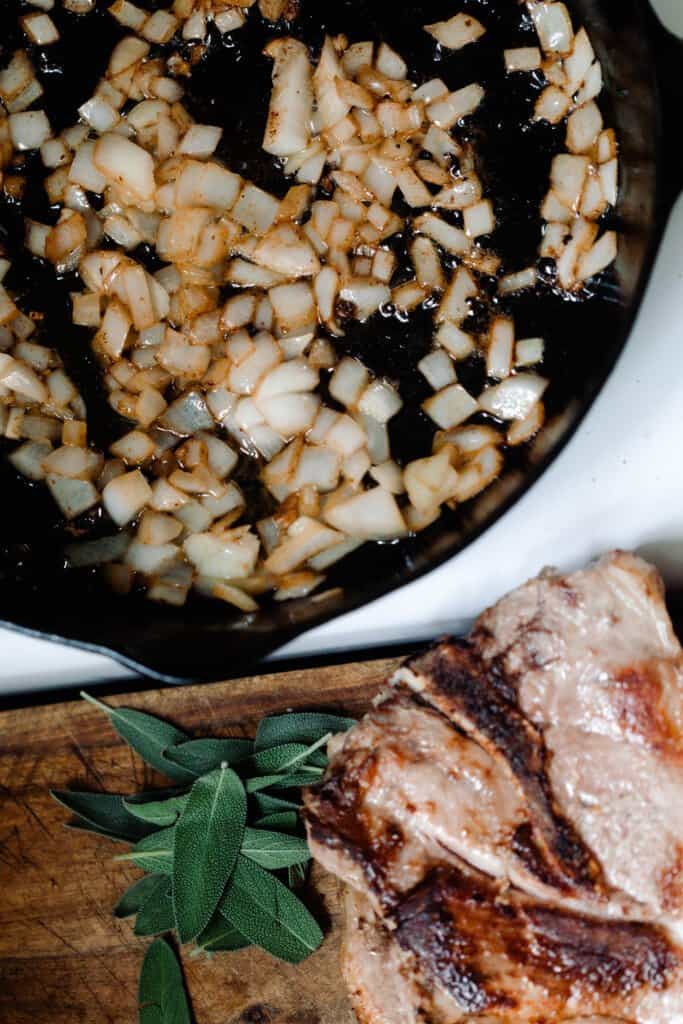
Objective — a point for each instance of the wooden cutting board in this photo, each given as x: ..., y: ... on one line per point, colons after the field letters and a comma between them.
x: 64, y: 959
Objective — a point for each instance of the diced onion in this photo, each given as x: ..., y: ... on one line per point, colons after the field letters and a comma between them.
x: 437, y: 368
x: 514, y: 397
x: 371, y: 515
x: 450, y: 406
x: 125, y: 496
x: 40, y: 28
x: 457, y: 32
x: 29, y: 129
x: 291, y: 104
x: 523, y: 58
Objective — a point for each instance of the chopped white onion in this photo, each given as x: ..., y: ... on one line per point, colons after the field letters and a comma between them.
x: 73, y: 496
x: 529, y: 351
x: 450, y: 238
x: 583, y: 128
x: 40, y: 28
x: 451, y: 406
x: 600, y: 256
x: 445, y: 112
x: 125, y: 496
x: 200, y: 140
x: 518, y: 281
x: 431, y: 481
x: 437, y: 368
x: 455, y: 340
x: 479, y: 219
x: 514, y: 397
x: 126, y: 165
x: 291, y: 103
x: 29, y: 129
x: 458, y: 31
x: 552, y: 105
x: 553, y: 25
x: 568, y: 174
x: 523, y: 58
x: 227, y: 556
x: 455, y: 306
x: 370, y: 515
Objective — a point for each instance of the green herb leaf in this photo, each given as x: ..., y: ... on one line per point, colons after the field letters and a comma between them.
x: 277, y: 759
x: 300, y: 727
x: 286, y: 821
x: 219, y: 936
x: 267, y: 913
x: 274, y: 850
x: 202, y: 756
x: 148, y: 736
x: 289, y: 757
x: 296, y: 875
x: 134, y: 898
x: 154, y: 853
x: 105, y: 813
x: 266, y: 803
x: 207, y: 840
x: 303, y: 777
x: 156, y: 914
x: 161, y: 813
x: 161, y: 993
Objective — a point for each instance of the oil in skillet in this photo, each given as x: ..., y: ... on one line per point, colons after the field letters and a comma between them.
x: 230, y: 86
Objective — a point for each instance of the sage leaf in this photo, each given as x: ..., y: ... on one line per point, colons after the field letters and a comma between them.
x: 267, y: 913
x: 296, y: 875
x: 202, y: 756
x: 266, y: 803
x: 105, y: 813
x: 287, y: 821
x: 277, y: 759
x: 161, y: 813
x: 299, y: 727
x: 156, y: 914
x: 208, y: 837
x: 274, y: 850
x: 81, y: 825
x: 219, y: 936
x: 134, y: 897
x: 290, y: 756
x: 154, y: 853
x: 148, y: 736
x: 161, y: 993
x: 303, y: 777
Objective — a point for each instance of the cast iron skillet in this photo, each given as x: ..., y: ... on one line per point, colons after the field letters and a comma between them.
x: 230, y: 87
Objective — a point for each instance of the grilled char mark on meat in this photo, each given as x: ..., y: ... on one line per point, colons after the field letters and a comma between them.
x: 370, y: 853
x: 598, y: 668
x: 382, y: 987
x: 450, y: 678
x: 496, y: 951
x: 509, y: 816
x: 406, y: 764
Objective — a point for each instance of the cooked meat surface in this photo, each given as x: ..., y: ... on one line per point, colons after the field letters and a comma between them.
x: 509, y: 816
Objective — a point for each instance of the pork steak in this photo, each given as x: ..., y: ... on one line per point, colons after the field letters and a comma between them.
x: 509, y: 815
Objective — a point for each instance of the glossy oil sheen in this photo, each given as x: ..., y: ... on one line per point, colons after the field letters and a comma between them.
x: 230, y: 87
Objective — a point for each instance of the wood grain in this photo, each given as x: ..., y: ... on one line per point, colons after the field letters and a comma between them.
x: 64, y: 959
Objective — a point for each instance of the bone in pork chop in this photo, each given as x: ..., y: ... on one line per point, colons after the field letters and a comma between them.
x: 509, y: 816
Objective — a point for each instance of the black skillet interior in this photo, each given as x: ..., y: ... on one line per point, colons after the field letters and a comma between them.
x: 230, y: 87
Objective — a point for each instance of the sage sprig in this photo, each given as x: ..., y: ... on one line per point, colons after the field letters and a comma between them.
x: 161, y: 993
x: 207, y: 841
x: 222, y: 850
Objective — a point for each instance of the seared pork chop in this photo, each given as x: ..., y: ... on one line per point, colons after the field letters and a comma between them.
x: 509, y: 816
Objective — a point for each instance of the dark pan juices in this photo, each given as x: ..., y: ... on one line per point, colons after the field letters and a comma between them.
x: 230, y: 86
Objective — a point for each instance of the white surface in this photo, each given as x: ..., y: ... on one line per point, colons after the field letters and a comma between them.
x: 619, y: 483
x: 671, y: 13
